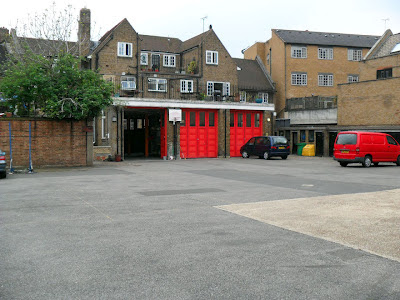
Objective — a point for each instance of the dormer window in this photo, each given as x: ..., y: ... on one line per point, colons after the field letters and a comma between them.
x: 211, y: 57
x: 124, y: 49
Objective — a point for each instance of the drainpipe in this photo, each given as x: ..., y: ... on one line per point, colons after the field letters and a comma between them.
x: 225, y: 136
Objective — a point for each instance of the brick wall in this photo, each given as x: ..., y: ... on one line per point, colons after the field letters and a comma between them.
x: 54, y: 143
x: 369, y: 103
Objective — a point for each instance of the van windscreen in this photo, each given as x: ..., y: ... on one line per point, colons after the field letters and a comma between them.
x: 347, y: 139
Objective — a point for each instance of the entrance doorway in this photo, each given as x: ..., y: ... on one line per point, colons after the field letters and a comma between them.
x: 332, y: 138
x: 295, y: 140
x: 144, y: 133
x: 319, y: 144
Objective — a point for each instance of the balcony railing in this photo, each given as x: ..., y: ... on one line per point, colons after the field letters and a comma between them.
x: 311, y: 103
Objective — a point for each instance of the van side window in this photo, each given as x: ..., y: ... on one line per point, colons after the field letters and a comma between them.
x: 260, y: 141
x: 391, y: 140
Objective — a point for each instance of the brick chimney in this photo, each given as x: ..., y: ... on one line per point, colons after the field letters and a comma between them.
x: 84, y: 32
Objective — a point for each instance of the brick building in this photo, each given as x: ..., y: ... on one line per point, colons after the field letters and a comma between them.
x: 175, y: 98
x: 373, y: 103
x: 307, y: 67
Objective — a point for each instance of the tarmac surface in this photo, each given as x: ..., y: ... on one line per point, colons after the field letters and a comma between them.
x: 301, y: 228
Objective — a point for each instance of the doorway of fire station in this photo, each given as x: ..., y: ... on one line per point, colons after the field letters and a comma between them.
x: 144, y: 133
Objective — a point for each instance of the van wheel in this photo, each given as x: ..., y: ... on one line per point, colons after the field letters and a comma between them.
x: 245, y: 154
x: 398, y: 160
x: 266, y: 155
x: 367, y: 161
x: 343, y: 164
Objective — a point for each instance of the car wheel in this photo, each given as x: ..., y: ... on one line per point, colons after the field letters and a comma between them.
x: 343, y: 164
x: 284, y: 157
x: 266, y: 155
x: 367, y: 161
x: 245, y: 154
x: 398, y: 160
x: 3, y: 175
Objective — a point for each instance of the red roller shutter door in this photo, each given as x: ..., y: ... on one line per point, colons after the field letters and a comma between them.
x: 244, y: 125
x: 199, y: 133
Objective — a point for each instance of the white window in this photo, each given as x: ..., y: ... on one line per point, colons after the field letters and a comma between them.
x: 299, y: 78
x: 125, y: 49
x: 263, y: 96
x: 157, y: 85
x: 353, y: 78
x: 212, y: 57
x: 144, y: 58
x: 186, y: 86
x: 226, y: 88
x: 169, y: 60
x: 354, y: 54
x: 128, y: 83
x: 325, y: 79
x: 325, y: 53
x: 243, y: 96
x: 299, y: 52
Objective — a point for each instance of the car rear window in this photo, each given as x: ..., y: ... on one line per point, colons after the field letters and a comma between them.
x: 347, y: 139
x: 280, y: 140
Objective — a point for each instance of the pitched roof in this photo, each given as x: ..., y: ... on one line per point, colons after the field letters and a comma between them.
x: 251, y: 76
x: 160, y: 44
x: 194, y: 41
x: 326, y: 38
x: 386, y: 47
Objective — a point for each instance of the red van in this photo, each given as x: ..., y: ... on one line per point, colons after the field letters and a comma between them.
x: 366, y: 148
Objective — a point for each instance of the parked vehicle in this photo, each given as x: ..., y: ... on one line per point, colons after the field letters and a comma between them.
x: 366, y: 148
x: 266, y: 147
x: 3, y: 172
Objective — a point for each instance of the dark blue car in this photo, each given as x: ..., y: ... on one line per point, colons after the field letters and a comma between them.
x: 266, y: 147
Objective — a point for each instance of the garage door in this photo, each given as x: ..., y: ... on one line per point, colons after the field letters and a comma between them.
x: 199, y: 133
x: 244, y: 125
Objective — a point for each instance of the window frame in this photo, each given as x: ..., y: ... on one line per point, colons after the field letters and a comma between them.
x: 298, y: 51
x: 185, y: 86
x: 243, y: 96
x: 353, y: 78
x: 122, y: 49
x: 211, y: 57
x: 303, y: 78
x: 146, y: 61
x: 127, y: 80
x: 169, y: 60
x: 325, y: 79
x: 264, y: 96
x: 325, y: 53
x: 354, y: 54
x: 153, y: 66
x: 158, y: 83
x: 226, y: 88
x: 384, y: 73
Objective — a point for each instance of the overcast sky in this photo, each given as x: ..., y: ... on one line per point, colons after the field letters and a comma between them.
x: 238, y: 24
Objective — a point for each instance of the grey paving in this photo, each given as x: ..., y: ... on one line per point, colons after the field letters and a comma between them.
x: 150, y: 230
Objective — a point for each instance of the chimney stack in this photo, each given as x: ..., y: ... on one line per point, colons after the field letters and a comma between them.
x: 84, y: 32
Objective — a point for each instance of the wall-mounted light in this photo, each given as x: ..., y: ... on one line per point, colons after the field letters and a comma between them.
x: 114, y: 119
x: 268, y: 119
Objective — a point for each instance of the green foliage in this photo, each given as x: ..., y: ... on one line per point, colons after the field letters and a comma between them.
x: 192, y: 67
x: 56, y: 89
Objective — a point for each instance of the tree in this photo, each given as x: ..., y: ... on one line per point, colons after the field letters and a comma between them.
x: 59, y: 90
x: 43, y: 75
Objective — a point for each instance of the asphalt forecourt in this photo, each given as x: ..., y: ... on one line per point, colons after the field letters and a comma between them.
x: 300, y: 228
